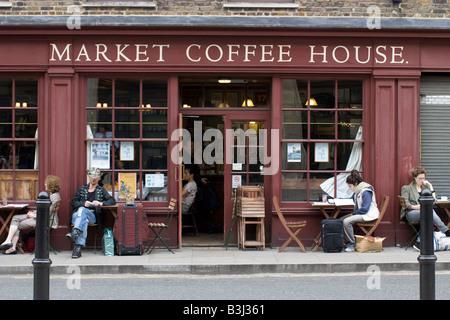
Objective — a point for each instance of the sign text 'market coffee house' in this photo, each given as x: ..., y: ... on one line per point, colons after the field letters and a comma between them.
x: 228, y: 53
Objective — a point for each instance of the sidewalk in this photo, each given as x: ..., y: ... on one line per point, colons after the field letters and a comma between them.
x: 217, y: 260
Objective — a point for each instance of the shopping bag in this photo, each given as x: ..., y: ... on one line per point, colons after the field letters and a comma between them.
x: 369, y: 244
x: 441, y: 241
x: 108, y: 242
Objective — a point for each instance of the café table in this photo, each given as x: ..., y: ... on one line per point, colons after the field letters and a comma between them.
x: 444, y: 205
x: 111, y: 209
x: 329, y: 210
x: 6, y: 214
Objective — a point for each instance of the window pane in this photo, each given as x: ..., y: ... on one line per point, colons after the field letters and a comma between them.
x: 154, y: 93
x: 316, y: 179
x: 323, y: 93
x: 349, y: 156
x: 295, y: 124
x: 26, y: 123
x: 293, y: 155
x: 26, y: 154
x: 321, y: 156
x: 348, y: 124
x: 126, y: 123
x: 99, y: 92
x: 26, y: 92
x: 322, y: 124
x: 192, y: 96
x: 5, y: 93
x: 295, y: 93
x: 99, y: 121
x: 259, y: 94
x: 293, y: 187
x: 154, y: 123
x: 6, y: 123
x: 154, y: 155
x: 126, y: 93
x: 5, y: 155
x: 154, y: 186
x: 350, y: 94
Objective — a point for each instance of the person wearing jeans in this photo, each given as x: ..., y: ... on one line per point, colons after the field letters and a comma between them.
x: 365, y: 207
x: 411, y: 193
x: 86, y: 205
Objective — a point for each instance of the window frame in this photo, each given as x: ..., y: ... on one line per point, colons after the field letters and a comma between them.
x: 141, y: 171
x: 309, y: 141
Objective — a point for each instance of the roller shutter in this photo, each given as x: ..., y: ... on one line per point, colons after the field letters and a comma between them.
x: 435, y: 130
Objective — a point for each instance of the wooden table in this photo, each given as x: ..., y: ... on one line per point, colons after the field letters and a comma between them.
x: 444, y: 205
x: 111, y: 209
x: 6, y: 214
x: 329, y: 210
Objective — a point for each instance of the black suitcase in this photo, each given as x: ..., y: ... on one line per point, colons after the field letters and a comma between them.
x: 332, y: 235
x: 131, y: 229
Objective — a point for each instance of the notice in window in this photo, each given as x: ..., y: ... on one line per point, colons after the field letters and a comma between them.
x: 100, y: 155
x: 294, y: 152
x: 321, y: 153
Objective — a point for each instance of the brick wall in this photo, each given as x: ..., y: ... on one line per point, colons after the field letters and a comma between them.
x: 309, y: 8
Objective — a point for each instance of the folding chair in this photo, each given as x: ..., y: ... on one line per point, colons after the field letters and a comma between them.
x: 414, y: 226
x: 364, y: 226
x: 292, y: 228
x: 159, y: 229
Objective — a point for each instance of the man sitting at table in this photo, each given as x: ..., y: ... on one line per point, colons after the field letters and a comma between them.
x: 86, y: 205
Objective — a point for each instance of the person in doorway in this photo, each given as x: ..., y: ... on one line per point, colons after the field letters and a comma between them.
x: 191, y: 176
x: 411, y: 193
x: 26, y: 221
x: 365, y: 207
x: 86, y: 205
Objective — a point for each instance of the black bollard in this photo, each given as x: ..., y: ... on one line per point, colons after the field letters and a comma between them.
x: 41, y: 261
x: 427, y: 259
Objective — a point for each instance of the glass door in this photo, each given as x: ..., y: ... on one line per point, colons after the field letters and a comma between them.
x: 246, y: 140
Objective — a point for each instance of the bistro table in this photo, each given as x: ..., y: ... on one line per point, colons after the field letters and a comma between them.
x: 329, y: 210
x: 6, y: 214
x: 111, y: 209
x: 444, y: 205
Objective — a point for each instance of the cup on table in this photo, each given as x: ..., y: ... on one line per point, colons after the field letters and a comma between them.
x: 5, y: 201
x: 324, y: 197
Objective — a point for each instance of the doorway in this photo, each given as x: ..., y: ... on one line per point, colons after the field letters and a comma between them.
x: 209, y: 217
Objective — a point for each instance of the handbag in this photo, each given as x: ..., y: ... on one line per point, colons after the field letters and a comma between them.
x: 369, y: 244
x: 108, y: 242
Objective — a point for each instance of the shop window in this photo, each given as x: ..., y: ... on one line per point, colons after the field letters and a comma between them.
x: 284, y: 4
x: 238, y: 94
x: 18, y: 138
x: 127, y: 135
x: 321, y: 137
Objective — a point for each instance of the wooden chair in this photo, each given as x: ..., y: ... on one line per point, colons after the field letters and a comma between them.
x: 191, y: 215
x: 414, y: 226
x: 292, y: 228
x: 159, y: 228
x: 368, y: 227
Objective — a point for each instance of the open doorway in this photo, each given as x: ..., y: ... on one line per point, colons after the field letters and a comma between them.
x: 209, y: 215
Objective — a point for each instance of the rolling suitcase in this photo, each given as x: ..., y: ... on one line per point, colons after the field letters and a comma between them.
x: 131, y: 229
x: 332, y: 235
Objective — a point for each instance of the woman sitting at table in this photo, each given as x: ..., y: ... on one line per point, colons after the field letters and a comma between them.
x: 365, y: 207
x: 411, y: 193
x: 28, y: 220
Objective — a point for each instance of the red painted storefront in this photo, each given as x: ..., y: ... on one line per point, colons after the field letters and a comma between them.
x: 388, y: 65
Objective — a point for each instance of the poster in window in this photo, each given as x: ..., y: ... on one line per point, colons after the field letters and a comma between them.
x: 294, y: 152
x: 154, y: 180
x: 127, y: 151
x: 126, y: 185
x: 321, y: 152
x: 100, y: 154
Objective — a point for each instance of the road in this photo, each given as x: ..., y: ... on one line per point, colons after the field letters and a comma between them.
x: 343, y: 286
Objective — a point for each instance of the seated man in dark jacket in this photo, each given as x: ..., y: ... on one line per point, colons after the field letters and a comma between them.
x: 86, y: 205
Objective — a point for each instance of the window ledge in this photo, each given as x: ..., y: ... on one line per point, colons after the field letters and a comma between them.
x: 104, y: 4
x: 5, y: 4
x: 261, y: 5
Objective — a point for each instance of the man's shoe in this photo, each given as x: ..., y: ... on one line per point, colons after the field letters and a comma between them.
x: 72, y: 236
x: 76, y: 253
x: 447, y: 233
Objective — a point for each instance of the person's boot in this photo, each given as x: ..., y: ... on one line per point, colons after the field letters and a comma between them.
x: 76, y: 253
x: 72, y: 236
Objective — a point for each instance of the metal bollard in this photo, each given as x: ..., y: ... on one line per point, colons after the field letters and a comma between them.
x: 427, y: 259
x: 41, y: 261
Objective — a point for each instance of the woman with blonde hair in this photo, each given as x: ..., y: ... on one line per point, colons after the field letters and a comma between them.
x: 26, y: 221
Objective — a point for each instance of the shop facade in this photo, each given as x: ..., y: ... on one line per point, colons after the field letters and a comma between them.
x: 120, y: 100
